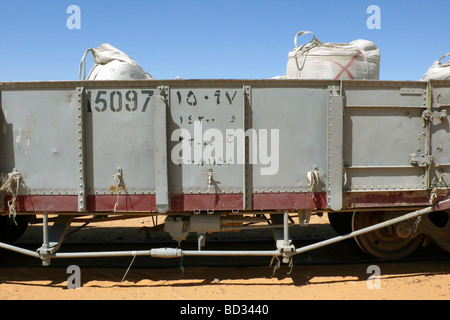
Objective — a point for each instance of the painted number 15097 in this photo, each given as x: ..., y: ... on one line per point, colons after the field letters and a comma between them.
x: 119, y: 100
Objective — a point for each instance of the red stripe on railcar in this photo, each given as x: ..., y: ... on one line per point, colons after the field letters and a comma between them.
x: 94, y: 203
x: 41, y: 203
x: 125, y: 203
x: 223, y: 202
x: 219, y: 201
x: 361, y: 200
x: 289, y: 201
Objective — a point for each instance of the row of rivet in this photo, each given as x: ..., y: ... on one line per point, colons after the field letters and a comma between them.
x: 70, y: 193
x: 386, y: 188
x: 80, y: 160
x: 329, y: 146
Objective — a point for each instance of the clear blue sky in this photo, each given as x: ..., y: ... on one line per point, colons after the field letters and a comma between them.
x: 225, y: 39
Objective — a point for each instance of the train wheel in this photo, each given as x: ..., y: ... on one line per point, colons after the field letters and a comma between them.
x: 436, y: 225
x: 341, y: 222
x: 12, y: 229
x: 389, y: 243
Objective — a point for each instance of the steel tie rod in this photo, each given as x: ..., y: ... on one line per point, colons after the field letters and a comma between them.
x: 163, y: 253
x: 176, y: 252
x: 356, y: 233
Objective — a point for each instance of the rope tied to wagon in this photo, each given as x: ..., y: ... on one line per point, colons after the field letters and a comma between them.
x: 181, y: 264
x: 11, y: 185
x: 291, y: 265
x: 277, y: 265
x: 434, y: 185
x: 134, y: 253
x: 433, y: 196
x: 117, y: 180
x: 312, y: 178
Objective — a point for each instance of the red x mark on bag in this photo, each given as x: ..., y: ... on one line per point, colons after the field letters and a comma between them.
x: 345, y: 69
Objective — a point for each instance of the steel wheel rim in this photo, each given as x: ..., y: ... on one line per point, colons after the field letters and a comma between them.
x: 383, y: 243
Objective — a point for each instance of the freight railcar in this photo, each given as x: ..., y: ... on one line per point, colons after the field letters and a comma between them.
x: 221, y: 155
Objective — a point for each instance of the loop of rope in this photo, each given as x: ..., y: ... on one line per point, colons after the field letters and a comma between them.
x: 12, y: 186
x: 181, y: 265
x: 313, y: 180
x: 277, y: 265
x: 117, y: 177
x: 129, y: 267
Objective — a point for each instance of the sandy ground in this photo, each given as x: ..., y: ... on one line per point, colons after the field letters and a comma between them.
x: 411, y: 281
x: 417, y: 281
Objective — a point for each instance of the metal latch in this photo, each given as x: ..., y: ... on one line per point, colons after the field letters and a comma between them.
x: 442, y: 114
x: 420, y: 161
x: 429, y: 115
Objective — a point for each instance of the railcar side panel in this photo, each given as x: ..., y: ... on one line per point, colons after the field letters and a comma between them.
x: 39, y: 139
x: 231, y: 145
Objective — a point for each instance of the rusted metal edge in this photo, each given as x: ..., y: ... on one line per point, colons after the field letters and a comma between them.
x: 70, y: 84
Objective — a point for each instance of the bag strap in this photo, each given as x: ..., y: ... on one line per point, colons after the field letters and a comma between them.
x: 301, y: 33
x: 438, y: 62
x: 83, y: 61
x: 444, y: 56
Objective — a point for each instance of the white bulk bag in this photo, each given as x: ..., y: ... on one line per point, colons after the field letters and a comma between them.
x: 359, y: 59
x: 438, y: 71
x: 112, y: 64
